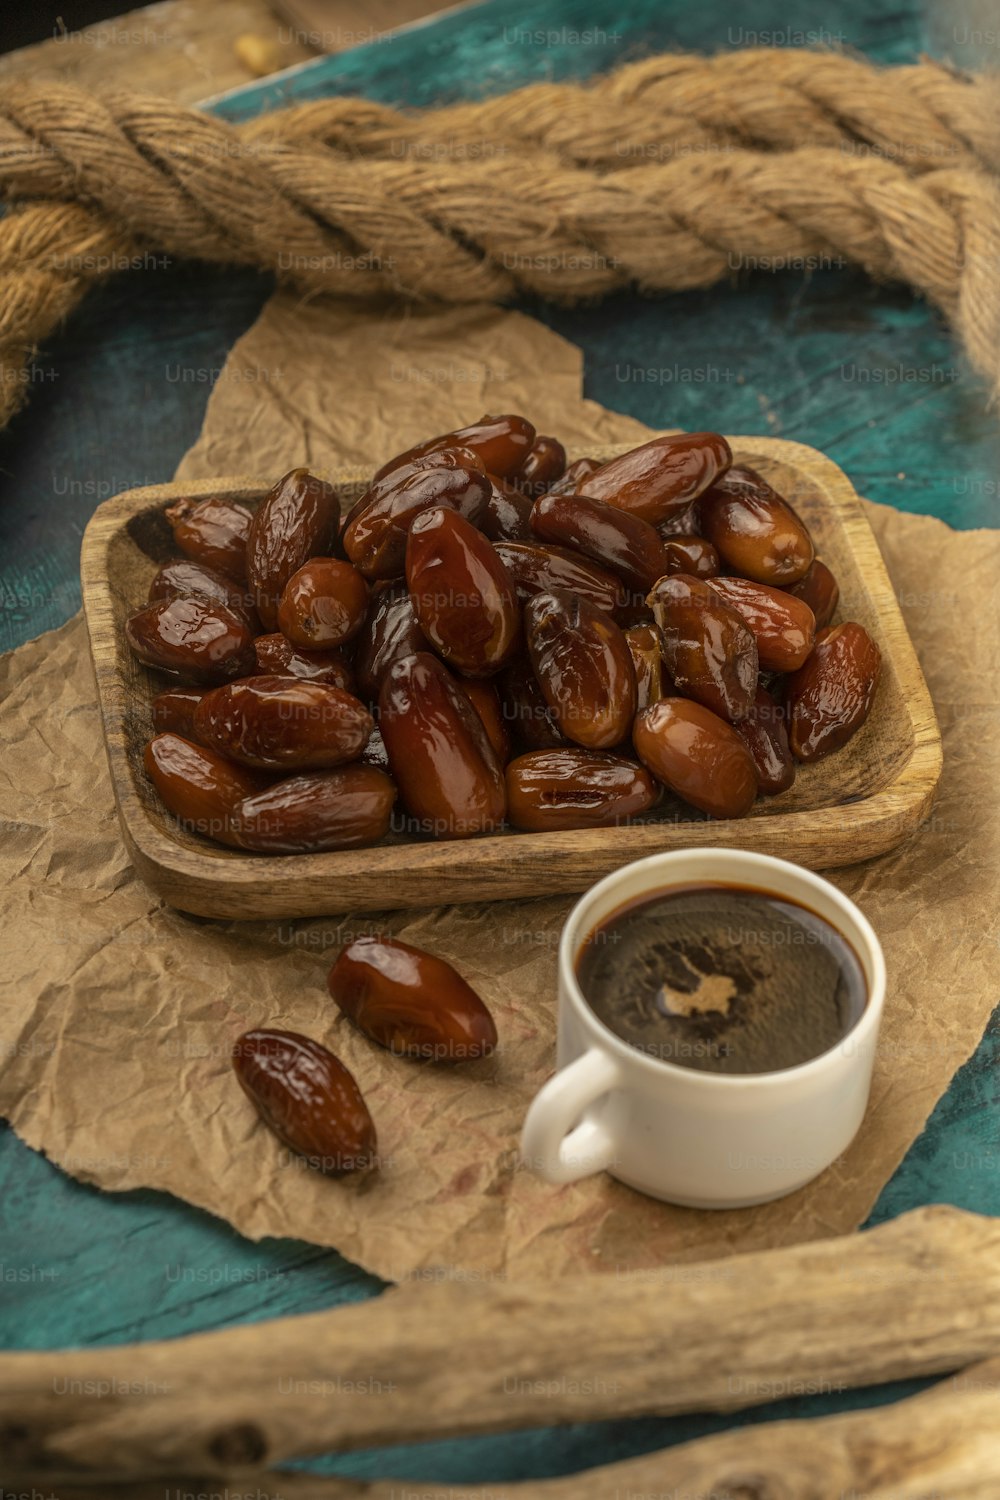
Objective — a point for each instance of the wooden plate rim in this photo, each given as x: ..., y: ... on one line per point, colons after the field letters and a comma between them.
x: 211, y: 885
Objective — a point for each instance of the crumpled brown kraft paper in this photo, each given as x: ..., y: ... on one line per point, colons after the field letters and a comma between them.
x: 348, y: 387
x: 120, y: 1012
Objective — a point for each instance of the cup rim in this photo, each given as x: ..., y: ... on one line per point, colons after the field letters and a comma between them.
x: 738, y: 860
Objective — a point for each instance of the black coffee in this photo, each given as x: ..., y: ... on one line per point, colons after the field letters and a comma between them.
x: 725, y: 979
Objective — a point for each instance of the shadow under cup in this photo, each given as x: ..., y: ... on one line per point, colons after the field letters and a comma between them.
x: 700, y: 1138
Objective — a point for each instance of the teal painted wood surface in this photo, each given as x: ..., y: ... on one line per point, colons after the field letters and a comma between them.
x: 495, y: 46
x: 864, y: 373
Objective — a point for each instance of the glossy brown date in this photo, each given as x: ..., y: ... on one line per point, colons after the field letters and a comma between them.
x: 692, y: 555
x: 411, y: 1002
x: 697, y: 755
x: 390, y: 631
x: 500, y: 443
x: 681, y: 523
x: 393, y: 476
x: 375, y: 535
x: 544, y: 464
x: 283, y: 724
x: 553, y: 789
x: 193, y: 639
x: 182, y: 578
x: 405, y: 465
x: 611, y: 537
x: 708, y: 648
x: 196, y: 785
x: 448, y: 774
x: 536, y: 566
x: 765, y: 735
x: 531, y: 721
x: 507, y: 517
x: 783, y: 627
x: 277, y: 657
x: 486, y: 701
x: 323, y: 604
x: 571, y: 482
x: 819, y: 589
x: 755, y: 531
x: 297, y: 519
x: 173, y: 711
x: 652, y: 680
x: 584, y: 668
x: 830, y: 697
x: 661, y: 477
x: 462, y: 595
x: 213, y: 532
x: 308, y: 1099
x: 315, y: 812
x: 375, y: 753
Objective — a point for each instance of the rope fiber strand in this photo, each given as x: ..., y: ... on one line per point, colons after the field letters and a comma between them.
x: 671, y: 173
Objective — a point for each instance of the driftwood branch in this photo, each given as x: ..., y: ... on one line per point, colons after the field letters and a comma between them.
x: 917, y: 1296
x: 942, y: 1442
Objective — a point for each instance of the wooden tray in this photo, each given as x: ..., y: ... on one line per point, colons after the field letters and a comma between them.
x: 851, y: 806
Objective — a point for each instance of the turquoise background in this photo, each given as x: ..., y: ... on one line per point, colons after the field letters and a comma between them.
x: 863, y: 372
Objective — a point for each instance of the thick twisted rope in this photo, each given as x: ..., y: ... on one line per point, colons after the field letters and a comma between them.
x: 638, y: 179
x: 923, y: 116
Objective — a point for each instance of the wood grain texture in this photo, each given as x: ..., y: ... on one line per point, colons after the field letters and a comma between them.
x: 919, y: 1296
x: 940, y: 1443
x: 851, y: 806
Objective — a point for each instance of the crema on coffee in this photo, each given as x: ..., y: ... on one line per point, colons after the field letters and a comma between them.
x: 722, y: 978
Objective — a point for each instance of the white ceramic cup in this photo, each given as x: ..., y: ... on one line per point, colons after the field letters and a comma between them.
x: 705, y: 1140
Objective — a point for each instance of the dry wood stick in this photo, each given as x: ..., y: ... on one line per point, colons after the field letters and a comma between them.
x: 941, y: 1443
x: 917, y: 1296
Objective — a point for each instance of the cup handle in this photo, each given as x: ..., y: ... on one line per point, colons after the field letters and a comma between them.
x: 549, y: 1146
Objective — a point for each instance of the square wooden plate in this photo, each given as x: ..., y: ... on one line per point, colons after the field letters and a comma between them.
x: 851, y: 806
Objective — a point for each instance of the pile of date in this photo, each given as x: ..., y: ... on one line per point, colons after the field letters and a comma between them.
x: 490, y: 637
